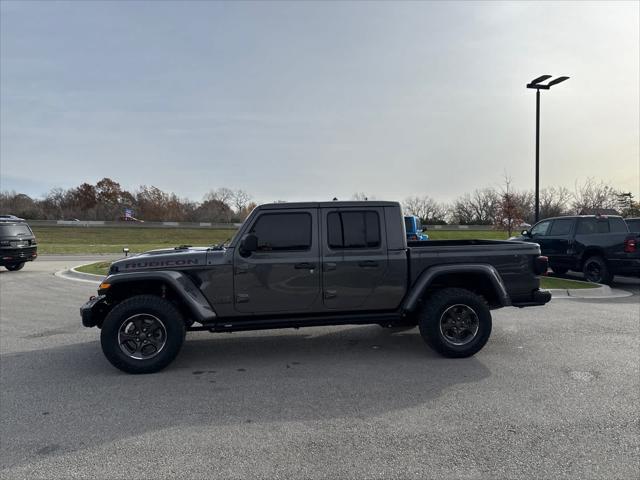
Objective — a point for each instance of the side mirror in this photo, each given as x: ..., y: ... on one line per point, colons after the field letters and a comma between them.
x: 525, y: 233
x: 248, y: 245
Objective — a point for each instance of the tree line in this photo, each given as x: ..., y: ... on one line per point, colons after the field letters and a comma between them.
x: 507, y: 208
x: 107, y: 200
x: 503, y: 206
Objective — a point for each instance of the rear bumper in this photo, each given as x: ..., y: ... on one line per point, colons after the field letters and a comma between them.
x: 538, y: 297
x: 11, y: 256
x: 628, y: 266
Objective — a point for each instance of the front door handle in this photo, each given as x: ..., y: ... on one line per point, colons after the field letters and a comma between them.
x: 242, y: 268
x: 304, y: 266
x: 368, y: 264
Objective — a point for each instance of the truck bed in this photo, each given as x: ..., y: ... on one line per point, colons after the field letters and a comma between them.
x: 512, y: 259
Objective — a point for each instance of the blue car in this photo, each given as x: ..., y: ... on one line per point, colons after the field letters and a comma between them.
x: 413, y: 226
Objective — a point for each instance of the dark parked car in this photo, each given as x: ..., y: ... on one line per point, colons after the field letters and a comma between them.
x: 600, y: 246
x: 17, y: 243
x: 308, y: 264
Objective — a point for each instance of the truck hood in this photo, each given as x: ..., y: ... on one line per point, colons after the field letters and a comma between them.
x: 164, y: 259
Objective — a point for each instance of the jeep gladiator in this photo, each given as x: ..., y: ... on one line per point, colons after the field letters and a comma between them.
x: 310, y: 264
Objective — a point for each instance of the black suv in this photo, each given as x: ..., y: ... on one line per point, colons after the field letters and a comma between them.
x: 17, y: 243
x: 600, y: 246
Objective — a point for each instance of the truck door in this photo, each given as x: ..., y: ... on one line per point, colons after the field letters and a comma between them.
x: 354, y: 257
x: 283, y: 274
x: 558, y: 243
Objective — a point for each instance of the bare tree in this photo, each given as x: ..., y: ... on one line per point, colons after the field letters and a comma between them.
x: 512, y: 207
x: 240, y: 200
x: 593, y: 195
x: 361, y: 196
x: 213, y: 210
x: 476, y: 208
x: 426, y: 208
x: 20, y: 205
x: 223, y: 194
x: 554, y: 202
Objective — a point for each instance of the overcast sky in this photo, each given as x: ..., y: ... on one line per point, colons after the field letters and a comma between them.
x: 307, y: 101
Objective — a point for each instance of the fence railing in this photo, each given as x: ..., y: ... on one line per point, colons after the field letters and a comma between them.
x: 104, y: 223
x: 212, y: 225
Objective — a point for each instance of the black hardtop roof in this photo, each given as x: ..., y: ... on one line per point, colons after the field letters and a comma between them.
x: 331, y: 204
x: 603, y: 216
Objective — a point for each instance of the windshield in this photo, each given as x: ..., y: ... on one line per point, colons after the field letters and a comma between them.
x: 15, y: 230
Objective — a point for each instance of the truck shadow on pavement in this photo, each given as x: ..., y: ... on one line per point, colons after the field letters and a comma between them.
x: 65, y: 399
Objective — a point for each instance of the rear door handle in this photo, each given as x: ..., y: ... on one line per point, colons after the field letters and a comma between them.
x: 304, y: 266
x: 368, y: 264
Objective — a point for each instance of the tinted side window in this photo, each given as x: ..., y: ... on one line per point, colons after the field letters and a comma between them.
x: 283, y: 231
x: 540, y: 229
x: 353, y: 230
x: 561, y: 227
x: 617, y: 225
x: 589, y: 226
x: 586, y: 226
x: 634, y: 225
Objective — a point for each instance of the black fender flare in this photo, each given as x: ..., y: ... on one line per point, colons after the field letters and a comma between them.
x: 427, y: 277
x: 180, y: 283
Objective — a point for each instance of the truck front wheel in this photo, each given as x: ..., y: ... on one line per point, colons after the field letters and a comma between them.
x: 142, y: 334
x: 455, y: 322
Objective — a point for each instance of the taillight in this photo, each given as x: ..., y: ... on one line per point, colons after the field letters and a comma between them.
x: 630, y: 245
x: 541, y: 265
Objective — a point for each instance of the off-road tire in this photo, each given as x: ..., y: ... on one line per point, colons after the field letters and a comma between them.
x: 150, y: 305
x: 15, y: 267
x: 596, y: 270
x: 443, y: 302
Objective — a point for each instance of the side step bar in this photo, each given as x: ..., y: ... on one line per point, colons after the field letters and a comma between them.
x: 253, y: 323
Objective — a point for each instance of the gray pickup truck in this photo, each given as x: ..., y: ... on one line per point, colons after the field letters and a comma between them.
x: 309, y: 264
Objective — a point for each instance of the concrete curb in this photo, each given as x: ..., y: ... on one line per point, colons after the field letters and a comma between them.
x: 603, y: 291
x: 73, y: 274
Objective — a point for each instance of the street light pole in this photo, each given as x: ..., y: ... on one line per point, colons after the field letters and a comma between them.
x: 536, y: 83
x: 537, y: 155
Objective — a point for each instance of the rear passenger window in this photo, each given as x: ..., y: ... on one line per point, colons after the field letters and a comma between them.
x: 283, y: 231
x: 353, y: 230
x: 590, y: 226
x: 561, y: 227
x: 617, y: 225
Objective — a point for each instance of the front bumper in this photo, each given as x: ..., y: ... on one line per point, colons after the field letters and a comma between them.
x: 94, y: 311
x: 538, y: 297
x: 11, y: 256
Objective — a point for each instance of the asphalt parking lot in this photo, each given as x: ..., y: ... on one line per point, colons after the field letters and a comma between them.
x: 554, y: 394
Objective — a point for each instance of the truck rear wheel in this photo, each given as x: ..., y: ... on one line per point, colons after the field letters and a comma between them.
x: 15, y: 267
x: 455, y: 322
x: 142, y: 334
x: 595, y: 270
